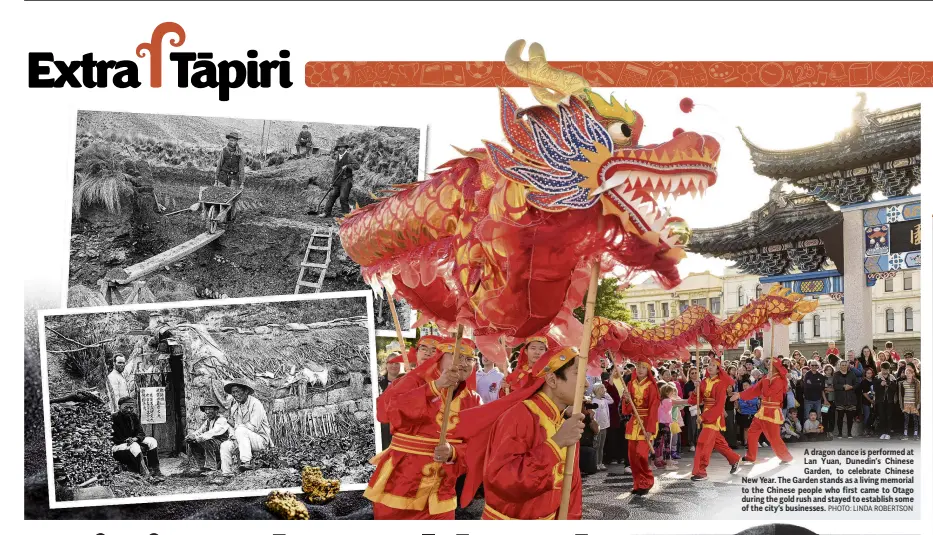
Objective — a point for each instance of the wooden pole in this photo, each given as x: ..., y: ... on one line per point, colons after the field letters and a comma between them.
x: 771, y: 330
x: 569, y: 465
x: 398, y: 327
x: 505, y: 346
x: 450, y: 390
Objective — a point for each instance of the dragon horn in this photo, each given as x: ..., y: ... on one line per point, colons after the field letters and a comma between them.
x: 548, y: 84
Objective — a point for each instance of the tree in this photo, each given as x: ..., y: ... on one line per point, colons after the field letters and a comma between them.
x: 609, y: 302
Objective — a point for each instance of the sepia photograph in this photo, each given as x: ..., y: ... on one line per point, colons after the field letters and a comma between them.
x: 173, y: 208
x: 201, y: 400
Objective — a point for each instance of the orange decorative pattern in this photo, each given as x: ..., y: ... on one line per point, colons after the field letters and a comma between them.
x: 626, y: 73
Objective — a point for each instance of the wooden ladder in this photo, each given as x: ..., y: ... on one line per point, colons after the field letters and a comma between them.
x: 309, y: 264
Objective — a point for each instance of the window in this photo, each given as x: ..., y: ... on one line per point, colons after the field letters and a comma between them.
x: 908, y: 280
x: 889, y: 320
x: 714, y: 305
x: 666, y: 310
x: 651, y: 310
x: 741, y: 296
x: 908, y: 319
x: 758, y: 292
x: 683, y: 306
x: 842, y: 324
x: 800, y: 331
x: 698, y: 302
x: 816, y: 325
x: 889, y: 285
x: 634, y: 311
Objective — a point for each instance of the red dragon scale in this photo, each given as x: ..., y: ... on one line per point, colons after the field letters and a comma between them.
x: 501, y: 239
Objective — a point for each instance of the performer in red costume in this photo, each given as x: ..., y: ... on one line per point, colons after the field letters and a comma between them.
x: 712, y: 397
x: 643, y: 391
x: 521, y: 376
x: 423, y: 350
x: 415, y: 479
x: 518, y: 445
x: 768, y: 420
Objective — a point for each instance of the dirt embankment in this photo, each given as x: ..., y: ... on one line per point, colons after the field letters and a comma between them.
x: 259, y: 254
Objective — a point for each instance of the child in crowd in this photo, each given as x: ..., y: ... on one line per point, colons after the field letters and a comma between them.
x: 910, y: 401
x: 791, y: 430
x: 670, y: 404
x: 602, y: 400
x: 813, y: 429
x: 831, y: 350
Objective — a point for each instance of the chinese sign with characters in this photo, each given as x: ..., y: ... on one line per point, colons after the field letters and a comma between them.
x: 152, y: 405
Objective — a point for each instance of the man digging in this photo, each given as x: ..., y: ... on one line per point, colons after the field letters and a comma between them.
x: 251, y: 429
x: 343, y: 180
x: 206, y: 441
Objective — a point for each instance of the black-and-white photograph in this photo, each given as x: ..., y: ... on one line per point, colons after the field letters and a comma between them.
x: 171, y: 208
x: 385, y: 325
x: 201, y: 400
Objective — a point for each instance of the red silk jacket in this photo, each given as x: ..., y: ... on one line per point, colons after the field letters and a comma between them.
x: 771, y: 390
x: 712, y: 396
x: 525, y: 468
x: 645, y: 394
x: 406, y: 475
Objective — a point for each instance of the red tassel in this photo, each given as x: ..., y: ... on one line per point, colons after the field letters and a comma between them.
x: 686, y: 105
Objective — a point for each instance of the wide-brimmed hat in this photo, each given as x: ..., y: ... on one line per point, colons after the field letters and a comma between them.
x: 209, y: 404
x: 245, y: 383
x: 154, y: 313
x: 234, y: 135
x: 342, y: 144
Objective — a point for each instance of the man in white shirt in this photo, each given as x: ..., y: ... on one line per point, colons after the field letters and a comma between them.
x: 250, y: 427
x: 488, y: 379
x: 116, y: 383
x: 206, y: 441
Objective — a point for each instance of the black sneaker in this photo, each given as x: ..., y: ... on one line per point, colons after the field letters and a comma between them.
x: 640, y: 492
x: 735, y: 467
x: 746, y: 460
x: 697, y: 478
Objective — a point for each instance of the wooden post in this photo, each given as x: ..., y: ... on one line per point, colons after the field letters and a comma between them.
x: 398, y: 327
x: 569, y: 467
x: 450, y: 390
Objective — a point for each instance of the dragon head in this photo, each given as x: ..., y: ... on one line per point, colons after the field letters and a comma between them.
x: 576, y: 150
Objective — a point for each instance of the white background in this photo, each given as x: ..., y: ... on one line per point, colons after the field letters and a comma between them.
x: 39, y: 126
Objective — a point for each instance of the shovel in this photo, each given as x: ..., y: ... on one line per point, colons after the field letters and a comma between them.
x: 193, y: 208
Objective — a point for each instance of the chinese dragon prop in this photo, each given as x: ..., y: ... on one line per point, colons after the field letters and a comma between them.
x: 501, y: 240
x: 674, y: 338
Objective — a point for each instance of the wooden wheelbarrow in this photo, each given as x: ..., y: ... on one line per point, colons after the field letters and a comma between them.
x: 216, y: 202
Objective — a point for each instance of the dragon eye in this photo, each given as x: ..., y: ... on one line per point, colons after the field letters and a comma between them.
x: 620, y: 132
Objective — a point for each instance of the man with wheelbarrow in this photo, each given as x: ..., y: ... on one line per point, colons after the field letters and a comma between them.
x: 343, y: 180
x: 230, y: 167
